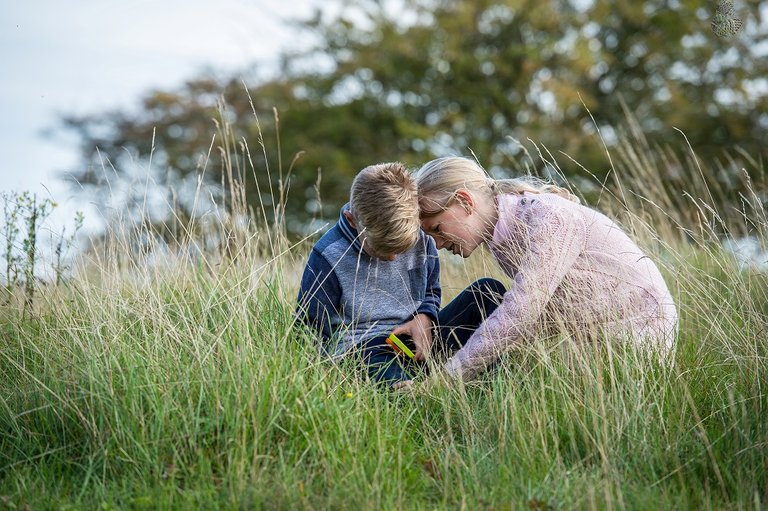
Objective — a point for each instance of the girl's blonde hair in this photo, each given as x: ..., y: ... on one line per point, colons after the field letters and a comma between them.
x: 439, y: 180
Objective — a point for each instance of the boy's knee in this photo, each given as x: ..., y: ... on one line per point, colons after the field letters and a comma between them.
x: 490, y: 288
x: 383, y: 365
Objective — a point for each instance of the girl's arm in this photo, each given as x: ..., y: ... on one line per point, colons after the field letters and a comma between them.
x: 554, y: 241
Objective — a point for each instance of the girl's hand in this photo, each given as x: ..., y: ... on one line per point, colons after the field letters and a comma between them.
x: 421, y: 386
x: 404, y: 385
x: 419, y: 329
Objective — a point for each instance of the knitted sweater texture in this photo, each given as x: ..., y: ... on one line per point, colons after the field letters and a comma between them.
x: 574, y: 270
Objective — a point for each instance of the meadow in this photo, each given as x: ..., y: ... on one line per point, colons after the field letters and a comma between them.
x: 173, y: 376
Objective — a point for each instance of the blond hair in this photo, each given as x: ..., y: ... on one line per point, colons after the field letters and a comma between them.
x: 385, y: 207
x: 439, y: 180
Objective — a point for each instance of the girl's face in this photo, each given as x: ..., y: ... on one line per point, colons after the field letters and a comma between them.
x: 459, y: 228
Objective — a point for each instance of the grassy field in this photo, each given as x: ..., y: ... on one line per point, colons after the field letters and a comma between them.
x: 181, y: 383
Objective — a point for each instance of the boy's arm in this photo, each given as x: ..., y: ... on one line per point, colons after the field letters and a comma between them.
x: 419, y: 328
x: 319, y: 295
x: 431, y: 304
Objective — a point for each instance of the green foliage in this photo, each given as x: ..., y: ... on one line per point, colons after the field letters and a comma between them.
x: 441, y: 76
x: 24, y: 207
x: 22, y: 256
x: 194, y: 390
x: 63, y: 244
x: 11, y: 209
x: 182, y: 382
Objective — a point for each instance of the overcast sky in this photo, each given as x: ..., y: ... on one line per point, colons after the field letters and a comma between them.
x: 81, y: 56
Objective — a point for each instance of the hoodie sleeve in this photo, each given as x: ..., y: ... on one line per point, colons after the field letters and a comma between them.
x: 431, y: 304
x: 555, y: 239
x: 319, y: 295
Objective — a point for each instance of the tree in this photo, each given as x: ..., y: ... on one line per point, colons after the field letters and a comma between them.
x: 442, y: 77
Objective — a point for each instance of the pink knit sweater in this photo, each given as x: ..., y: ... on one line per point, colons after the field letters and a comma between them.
x: 574, y: 270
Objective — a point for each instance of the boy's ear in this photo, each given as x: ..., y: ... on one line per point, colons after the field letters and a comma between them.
x: 350, y: 219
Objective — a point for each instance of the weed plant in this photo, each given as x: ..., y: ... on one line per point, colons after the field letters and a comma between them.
x: 178, y: 379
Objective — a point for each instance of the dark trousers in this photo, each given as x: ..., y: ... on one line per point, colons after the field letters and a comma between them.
x: 455, y: 324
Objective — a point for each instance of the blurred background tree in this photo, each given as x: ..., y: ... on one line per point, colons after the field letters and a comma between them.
x: 414, y: 79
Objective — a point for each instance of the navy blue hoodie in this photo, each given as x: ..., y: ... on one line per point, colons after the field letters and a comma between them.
x: 350, y: 297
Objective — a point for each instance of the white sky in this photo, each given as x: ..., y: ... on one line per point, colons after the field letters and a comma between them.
x: 83, y: 56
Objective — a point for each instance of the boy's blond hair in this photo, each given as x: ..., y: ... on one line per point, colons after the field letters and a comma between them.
x: 385, y: 207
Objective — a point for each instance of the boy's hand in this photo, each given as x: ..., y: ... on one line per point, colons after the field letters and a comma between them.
x: 419, y: 329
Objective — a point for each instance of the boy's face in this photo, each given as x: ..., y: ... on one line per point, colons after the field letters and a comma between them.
x: 377, y: 255
x: 384, y: 256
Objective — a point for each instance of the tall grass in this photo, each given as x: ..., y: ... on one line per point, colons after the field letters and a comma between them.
x: 177, y: 379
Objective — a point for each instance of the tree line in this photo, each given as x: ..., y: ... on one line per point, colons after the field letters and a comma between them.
x: 417, y: 79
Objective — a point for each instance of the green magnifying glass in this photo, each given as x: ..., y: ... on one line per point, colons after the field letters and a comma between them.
x: 399, y: 346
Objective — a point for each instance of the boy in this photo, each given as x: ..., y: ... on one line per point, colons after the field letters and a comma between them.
x: 373, y: 273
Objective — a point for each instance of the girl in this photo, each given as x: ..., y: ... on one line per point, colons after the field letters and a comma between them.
x: 573, y: 268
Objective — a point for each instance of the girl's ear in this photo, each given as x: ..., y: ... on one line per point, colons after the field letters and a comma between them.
x: 465, y: 199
